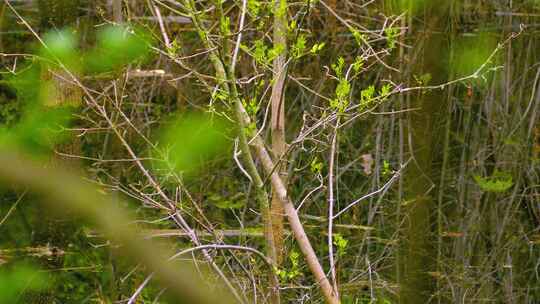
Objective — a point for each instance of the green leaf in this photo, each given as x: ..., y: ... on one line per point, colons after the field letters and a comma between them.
x: 116, y: 47
x: 225, y: 25
x: 61, y: 46
x: 341, y: 102
x: 498, y: 182
x: 259, y: 52
x: 192, y: 140
x: 19, y: 278
x: 316, y: 166
x: 254, y: 7
x: 40, y: 127
x: 343, y: 89
x: 299, y: 47
x: 366, y: 96
x: 358, y: 37
x: 277, y: 50
x: 338, y: 66
x: 392, y: 34
x: 341, y: 243
x: 317, y: 47
x: 358, y: 64
x: 387, y: 170
x: 385, y: 90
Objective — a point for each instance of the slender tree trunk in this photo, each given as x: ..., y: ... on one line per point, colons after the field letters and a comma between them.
x: 279, y: 145
x: 417, y: 253
x: 118, y: 17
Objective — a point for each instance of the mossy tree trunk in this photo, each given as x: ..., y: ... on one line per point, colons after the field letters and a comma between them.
x: 417, y: 250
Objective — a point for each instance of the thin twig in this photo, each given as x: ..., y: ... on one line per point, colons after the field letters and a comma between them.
x: 383, y: 190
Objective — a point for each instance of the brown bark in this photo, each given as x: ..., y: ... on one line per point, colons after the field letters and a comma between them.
x: 417, y: 254
x: 297, y: 228
x: 279, y: 145
x: 278, y: 185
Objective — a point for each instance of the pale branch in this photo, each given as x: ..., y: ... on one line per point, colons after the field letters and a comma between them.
x: 331, y: 201
x: 382, y: 190
x: 280, y: 189
x: 202, y: 247
x: 277, y: 126
x: 295, y: 223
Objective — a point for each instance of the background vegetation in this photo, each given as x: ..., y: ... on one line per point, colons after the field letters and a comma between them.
x: 269, y: 151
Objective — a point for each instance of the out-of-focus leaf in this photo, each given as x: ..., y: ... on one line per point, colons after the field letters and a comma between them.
x: 38, y: 131
x: 192, y: 140
x: 17, y: 279
x: 116, y: 47
x: 61, y: 46
x: 26, y: 84
x: 40, y: 127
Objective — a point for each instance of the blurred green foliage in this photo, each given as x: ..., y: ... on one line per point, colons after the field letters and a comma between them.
x: 116, y: 47
x: 17, y: 279
x: 35, y: 124
x: 61, y: 47
x: 39, y: 128
x: 193, y: 139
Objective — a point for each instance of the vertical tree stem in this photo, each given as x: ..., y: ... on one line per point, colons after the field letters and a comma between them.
x: 331, y: 207
x: 263, y: 155
x: 279, y: 146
